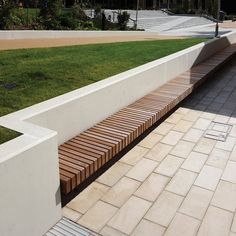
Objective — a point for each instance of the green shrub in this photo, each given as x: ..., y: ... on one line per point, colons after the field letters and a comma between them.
x: 214, y: 8
x: 50, y: 23
x: 123, y: 19
x: 78, y: 13
x: 49, y: 16
x: 186, y: 5
x: 67, y: 21
x: 178, y: 10
x: 97, y: 10
x: 7, y: 14
x: 191, y: 11
x: 209, y: 6
x: 50, y: 8
x: 87, y: 24
x: 50, y: 12
x: 230, y: 17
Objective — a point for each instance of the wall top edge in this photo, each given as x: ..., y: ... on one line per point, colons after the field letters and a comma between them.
x: 44, y: 106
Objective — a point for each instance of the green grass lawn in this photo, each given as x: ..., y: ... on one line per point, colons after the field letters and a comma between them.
x: 30, y: 76
x: 7, y: 134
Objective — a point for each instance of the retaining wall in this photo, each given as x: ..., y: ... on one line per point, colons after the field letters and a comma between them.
x: 29, y: 178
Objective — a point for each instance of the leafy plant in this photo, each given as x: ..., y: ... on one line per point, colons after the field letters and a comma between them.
x: 97, y: 10
x: 214, y: 8
x: 208, y: 6
x: 123, y: 19
x: 7, y: 13
x: 67, y: 21
x: 50, y: 8
x: 50, y: 12
x: 78, y: 13
x: 185, y: 5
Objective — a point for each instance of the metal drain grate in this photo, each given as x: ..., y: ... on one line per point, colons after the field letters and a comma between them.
x: 67, y: 227
x: 218, y: 131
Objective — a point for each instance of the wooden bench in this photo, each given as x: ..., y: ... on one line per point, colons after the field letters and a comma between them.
x: 86, y: 153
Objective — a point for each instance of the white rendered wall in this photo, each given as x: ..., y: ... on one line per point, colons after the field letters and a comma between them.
x: 82, y: 108
x: 29, y: 187
x: 47, y: 34
x: 29, y: 179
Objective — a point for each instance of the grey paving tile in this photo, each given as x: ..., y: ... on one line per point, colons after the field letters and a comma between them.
x: 164, y: 209
x: 225, y: 196
x: 182, y: 225
x: 88, y: 197
x: 152, y: 187
x: 181, y: 182
x: 194, y: 162
x: 121, y: 191
x: 129, y: 215
x: 196, y: 202
x: 229, y: 173
x: 169, y: 165
x: 209, y: 177
x: 217, y: 222
x: 182, y: 149
x: 146, y: 227
x: 142, y: 169
x: 97, y: 216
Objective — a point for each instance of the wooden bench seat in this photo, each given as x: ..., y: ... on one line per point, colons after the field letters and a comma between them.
x: 84, y: 154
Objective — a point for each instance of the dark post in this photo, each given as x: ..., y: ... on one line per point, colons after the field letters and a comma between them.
x: 136, y: 20
x: 103, y: 21
x: 218, y: 19
x: 27, y: 12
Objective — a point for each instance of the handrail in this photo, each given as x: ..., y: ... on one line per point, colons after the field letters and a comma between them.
x: 208, y: 17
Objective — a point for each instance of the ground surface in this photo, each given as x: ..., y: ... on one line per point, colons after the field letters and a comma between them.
x: 202, y: 30
x: 176, y: 181
x: 177, y: 25
x: 177, y: 32
x: 158, y: 21
x: 44, y: 43
x: 34, y: 75
x: 228, y: 25
x: 199, y: 31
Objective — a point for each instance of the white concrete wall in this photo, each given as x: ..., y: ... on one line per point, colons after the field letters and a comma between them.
x: 85, y: 107
x: 29, y: 179
x: 29, y: 186
x: 47, y: 34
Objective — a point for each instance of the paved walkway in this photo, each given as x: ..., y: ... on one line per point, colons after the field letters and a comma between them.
x: 175, y: 182
x: 158, y: 21
x: 205, y: 31
x: 228, y: 24
x: 42, y: 43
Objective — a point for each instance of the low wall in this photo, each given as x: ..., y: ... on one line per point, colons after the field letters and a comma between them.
x: 29, y: 187
x: 29, y: 178
x: 51, y: 34
x: 91, y: 104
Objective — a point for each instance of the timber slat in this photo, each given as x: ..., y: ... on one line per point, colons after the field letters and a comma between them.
x: 84, y: 154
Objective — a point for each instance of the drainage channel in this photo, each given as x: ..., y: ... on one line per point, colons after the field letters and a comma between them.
x: 66, y: 227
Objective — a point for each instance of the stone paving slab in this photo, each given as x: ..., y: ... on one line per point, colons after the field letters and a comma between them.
x: 176, y: 181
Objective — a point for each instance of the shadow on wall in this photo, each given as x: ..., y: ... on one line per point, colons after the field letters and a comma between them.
x: 207, y: 51
x: 217, y: 95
